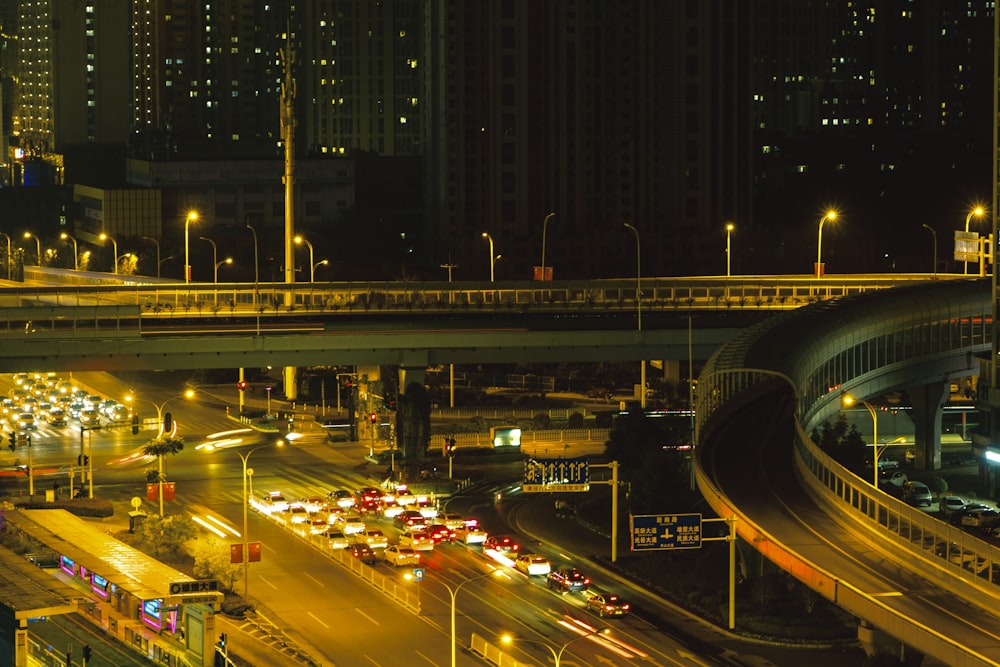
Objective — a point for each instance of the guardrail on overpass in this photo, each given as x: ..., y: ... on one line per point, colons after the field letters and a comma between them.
x: 864, y: 346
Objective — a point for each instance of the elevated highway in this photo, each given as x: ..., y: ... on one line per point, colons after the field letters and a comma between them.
x: 907, y: 574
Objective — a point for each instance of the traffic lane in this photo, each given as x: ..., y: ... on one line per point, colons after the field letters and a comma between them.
x: 765, y: 487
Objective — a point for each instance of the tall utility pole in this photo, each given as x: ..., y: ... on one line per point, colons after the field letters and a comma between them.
x: 288, y: 137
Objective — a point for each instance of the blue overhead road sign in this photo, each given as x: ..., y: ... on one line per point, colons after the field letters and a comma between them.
x: 556, y: 475
x: 652, y: 532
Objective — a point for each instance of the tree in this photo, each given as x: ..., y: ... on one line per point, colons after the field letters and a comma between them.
x: 212, y: 561
x: 159, y: 447
x: 844, y: 443
x: 166, y: 535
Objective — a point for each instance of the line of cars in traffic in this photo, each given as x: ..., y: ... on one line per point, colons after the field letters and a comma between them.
x: 349, y: 520
x: 48, y: 398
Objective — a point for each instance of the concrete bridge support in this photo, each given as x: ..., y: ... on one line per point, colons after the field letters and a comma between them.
x: 874, y: 642
x: 927, y: 401
x: 411, y: 374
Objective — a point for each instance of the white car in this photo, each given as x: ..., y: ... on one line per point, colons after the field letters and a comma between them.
x: 373, y: 537
x: 398, y: 555
x: 471, y: 533
x: 451, y: 519
x: 275, y: 501
x: 416, y: 540
x: 337, y: 539
x: 313, y: 504
x: 533, y: 565
x: 298, y: 514
x: 351, y: 525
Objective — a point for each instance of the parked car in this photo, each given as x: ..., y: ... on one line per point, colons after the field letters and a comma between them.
x: 917, y: 494
x: 980, y: 518
x: 948, y: 505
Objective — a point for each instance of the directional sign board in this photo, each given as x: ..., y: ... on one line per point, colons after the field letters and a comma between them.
x: 556, y: 475
x: 656, y: 532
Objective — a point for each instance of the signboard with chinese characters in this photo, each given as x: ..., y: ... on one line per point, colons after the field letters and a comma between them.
x: 555, y: 475
x: 655, y: 532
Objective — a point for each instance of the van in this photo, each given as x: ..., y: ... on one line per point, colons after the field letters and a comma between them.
x: 917, y: 494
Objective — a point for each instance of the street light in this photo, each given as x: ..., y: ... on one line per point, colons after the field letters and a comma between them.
x: 159, y: 418
x: 256, y: 264
x: 729, y: 233
x: 493, y: 258
x: 545, y: 227
x: 76, y: 258
x: 934, y: 234
x: 299, y: 240
x: 848, y: 401
x: 556, y: 655
x: 978, y: 212
x: 192, y: 216
x: 829, y: 215
x: 215, y: 253
x: 227, y: 260
x: 114, y: 247
x: 312, y: 271
x: 38, y: 245
x: 157, y: 244
x: 453, y: 592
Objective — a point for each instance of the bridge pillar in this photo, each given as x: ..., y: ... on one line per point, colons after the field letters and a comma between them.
x: 927, y: 401
x: 411, y: 374
x: 875, y: 642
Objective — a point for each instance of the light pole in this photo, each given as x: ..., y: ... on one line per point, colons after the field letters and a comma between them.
x: 729, y: 233
x: 159, y: 418
x: 848, y: 401
x: 256, y: 264
x: 9, y: 271
x: 638, y: 311
x: 545, y: 227
x: 114, y: 248
x: 934, y: 234
x: 493, y: 258
x: 556, y: 655
x: 312, y: 271
x: 246, y: 504
x: 157, y: 244
x: 829, y: 215
x: 299, y: 240
x: 227, y: 260
x: 38, y: 245
x: 192, y: 216
x: 215, y: 255
x: 978, y: 212
x: 76, y: 258
x: 453, y: 592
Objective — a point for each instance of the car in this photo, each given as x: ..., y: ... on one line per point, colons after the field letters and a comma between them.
x: 389, y: 509
x: 367, y: 494
x: 118, y: 414
x: 408, y: 519
x: 948, y: 505
x: 608, y: 604
x: 567, y: 579
x: 342, y: 498
x: 313, y: 504
x: 533, y: 565
x: 318, y: 525
x: 404, y: 496
x: 426, y: 507
x: 917, y: 494
x: 363, y: 553
x: 980, y: 518
x: 337, y: 538
x: 373, y: 537
x: 471, y: 533
x: 960, y: 459
x: 440, y: 533
x: 298, y: 514
x: 896, y: 477
x: 503, y: 544
x: 275, y: 501
x: 416, y: 540
x: 90, y: 417
x: 26, y: 422
x: 398, y: 555
x: 351, y: 524
x: 453, y: 520
x: 56, y: 417
x: 956, y: 516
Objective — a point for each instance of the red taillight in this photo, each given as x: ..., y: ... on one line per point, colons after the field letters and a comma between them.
x: 625, y: 607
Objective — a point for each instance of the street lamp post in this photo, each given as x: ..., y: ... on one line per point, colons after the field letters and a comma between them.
x: 76, y: 257
x: 299, y: 240
x: 978, y: 212
x: 829, y: 215
x: 246, y: 504
x: 192, y: 216
x: 848, y: 401
x: 38, y: 246
x: 729, y: 233
x: 545, y: 227
x: 638, y: 310
x: 9, y: 269
x: 312, y: 271
x: 227, y: 260
x: 493, y: 258
x: 556, y: 654
x: 159, y: 418
x: 453, y: 592
x: 934, y: 234
x: 256, y: 263
x: 157, y: 244
x: 114, y: 248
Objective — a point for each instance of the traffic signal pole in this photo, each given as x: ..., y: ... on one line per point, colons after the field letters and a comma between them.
x: 242, y: 383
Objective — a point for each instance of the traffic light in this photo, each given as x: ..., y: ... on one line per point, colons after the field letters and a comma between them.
x: 86, y: 653
x: 12, y: 441
x: 242, y: 385
x: 168, y: 422
x: 373, y: 417
x: 222, y: 640
x: 449, y: 446
x: 135, y: 424
x: 82, y: 459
